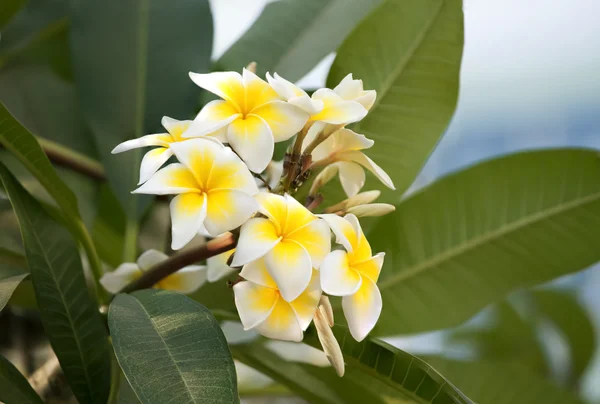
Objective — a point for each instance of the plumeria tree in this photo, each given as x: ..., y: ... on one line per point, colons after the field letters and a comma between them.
x: 185, y: 221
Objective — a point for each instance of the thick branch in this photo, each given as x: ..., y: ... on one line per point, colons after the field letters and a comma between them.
x: 68, y: 158
x: 163, y: 269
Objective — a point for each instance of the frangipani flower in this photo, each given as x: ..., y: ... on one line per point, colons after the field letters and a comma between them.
x: 342, y: 148
x: 291, y: 239
x: 261, y: 305
x: 350, y: 89
x: 251, y: 117
x: 213, y: 186
x: 353, y: 274
x: 217, y: 266
x: 186, y: 280
x: 325, y: 105
x: 155, y: 158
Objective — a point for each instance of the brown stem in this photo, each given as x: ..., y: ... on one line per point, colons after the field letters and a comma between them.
x: 174, y: 263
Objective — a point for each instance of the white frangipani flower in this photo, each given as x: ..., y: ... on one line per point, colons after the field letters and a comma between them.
x: 291, y: 239
x: 217, y: 266
x: 294, y: 95
x: 213, y: 186
x: 186, y: 280
x: 350, y: 89
x: 353, y: 274
x: 261, y: 306
x: 155, y: 158
x: 343, y: 150
x: 251, y: 117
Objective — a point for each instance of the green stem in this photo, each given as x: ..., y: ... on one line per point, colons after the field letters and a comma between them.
x: 130, y: 240
x: 115, y: 381
x: 63, y: 156
x: 95, y: 263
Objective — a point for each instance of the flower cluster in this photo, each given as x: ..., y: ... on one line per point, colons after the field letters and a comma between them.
x: 225, y: 180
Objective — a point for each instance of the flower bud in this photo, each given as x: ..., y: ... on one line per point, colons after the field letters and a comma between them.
x: 325, y: 304
x: 360, y: 199
x: 372, y: 209
x: 323, y: 178
x: 330, y: 345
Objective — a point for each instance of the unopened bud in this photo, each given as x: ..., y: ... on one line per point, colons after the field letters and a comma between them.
x: 372, y: 209
x: 251, y: 67
x: 330, y: 345
x: 323, y: 178
x: 325, y: 304
x: 359, y: 199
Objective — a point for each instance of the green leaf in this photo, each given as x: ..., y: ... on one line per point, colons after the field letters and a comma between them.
x: 470, y: 238
x: 69, y: 314
x: 9, y: 9
x: 171, y: 347
x: 291, y: 36
x: 501, y: 383
x: 109, y: 227
x: 132, y: 74
x: 10, y: 278
x: 573, y: 322
x: 408, y: 377
x: 410, y: 52
x: 14, y: 388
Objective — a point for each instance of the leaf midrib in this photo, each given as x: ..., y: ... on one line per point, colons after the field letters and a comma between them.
x: 478, y: 241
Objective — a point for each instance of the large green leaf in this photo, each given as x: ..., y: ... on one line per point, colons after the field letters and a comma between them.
x: 14, y: 388
x: 132, y: 74
x: 171, y: 347
x: 573, y: 322
x: 410, y: 52
x: 291, y: 36
x: 69, y: 314
x: 407, y: 377
x: 501, y: 383
x: 470, y: 238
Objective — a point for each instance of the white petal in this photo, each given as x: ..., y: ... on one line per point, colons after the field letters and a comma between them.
x: 367, y: 99
x: 174, y: 125
x: 337, y: 278
x: 306, y: 304
x: 257, y: 237
x: 274, y: 207
x: 228, y: 209
x: 150, y: 258
x: 229, y: 172
x: 289, y: 265
x: 256, y: 91
x: 227, y: 85
x: 214, y: 116
x: 346, y: 140
x: 152, y: 161
x: 297, y: 215
x: 294, y: 94
x: 362, y: 309
x: 371, y: 209
x: 217, y: 266
x: 252, y: 139
x: 349, y: 88
x: 370, y: 165
x: 159, y: 139
x: 254, y: 302
x: 343, y: 230
x: 298, y: 352
x: 352, y: 177
x: 315, y: 237
x: 173, y: 179
x: 188, y: 212
x: 284, y: 119
x: 281, y: 323
x: 336, y: 110
x: 314, y: 130
x: 274, y: 172
x: 257, y: 272
x: 187, y: 280
x: 114, y: 281
x: 370, y: 268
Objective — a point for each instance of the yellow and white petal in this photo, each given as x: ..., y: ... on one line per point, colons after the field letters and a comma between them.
x: 116, y: 280
x: 214, y: 116
x: 256, y: 272
x: 176, y: 128
x: 336, y: 110
x: 227, y: 85
x: 257, y: 91
x: 158, y: 139
x: 293, y: 94
x: 306, y: 304
x: 367, y: 99
x: 188, y: 212
x: 361, y: 250
x: 228, y: 209
x: 252, y: 139
x: 229, y: 172
x: 274, y: 172
x: 315, y: 237
x: 199, y: 156
x: 217, y: 267
x: 150, y: 258
x: 370, y: 268
x: 362, y: 309
x: 274, y: 207
x: 173, y: 179
x: 284, y: 119
x: 254, y: 302
x: 297, y: 216
x: 281, y: 323
x: 152, y: 161
x: 346, y: 140
x: 337, y: 278
x: 187, y: 280
x: 343, y: 230
x: 289, y: 265
x: 257, y: 237
x: 352, y: 177
x: 366, y: 162
x: 349, y: 88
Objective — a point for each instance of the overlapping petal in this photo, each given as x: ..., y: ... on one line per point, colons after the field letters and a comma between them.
x: 257, y: 272
x: 215, y: 115
x: 188, y: 212
x: 352, y: 177
x: 227, y: 85
x: 293, y: 94
x: 152, y: 161
x: 362, y: 309
x: 229, y: 172
x: 336, y: 110
x: 227, y: 209
x: 351, y: 89
x: 217, y: 267
x: 253, y: 140
x: 306, y: 304
x: 315, y: 237
x: 337, y: 277
x: 257, y: 237
x: 158, y: 139
x: 173, y: 179
x: 344, y: 231
x: 150, y: 258
x: 290, y: 266
x: 116, y: 280
x: 257, y: 92
x: 282, y: 323
x: 199, y: 156
x: 284, y: 119
x: 254, y: 302
x: 366, y: 162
